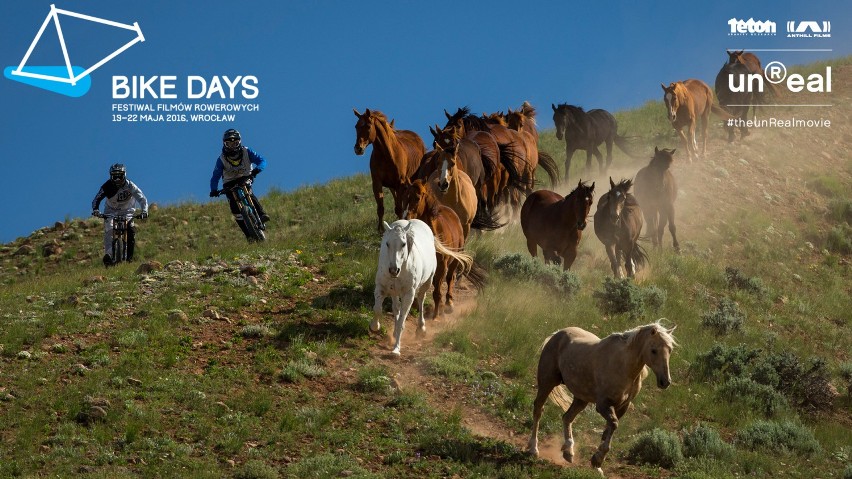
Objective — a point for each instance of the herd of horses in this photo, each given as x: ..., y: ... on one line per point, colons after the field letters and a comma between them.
x: 482, y: 170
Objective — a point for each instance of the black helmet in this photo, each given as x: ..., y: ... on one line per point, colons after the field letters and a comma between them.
x: 117, y: 173
x: 228, y: 139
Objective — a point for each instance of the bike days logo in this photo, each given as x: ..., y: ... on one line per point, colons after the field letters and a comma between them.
x: 751, y: 27
x: 809, y: 29
x: 68, y: 79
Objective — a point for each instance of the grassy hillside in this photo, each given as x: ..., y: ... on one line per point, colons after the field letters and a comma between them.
x: 237, y: 360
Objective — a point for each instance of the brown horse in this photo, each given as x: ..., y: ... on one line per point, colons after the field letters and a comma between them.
x: 523, y: 121
x: 689, y: 103
x: 605, y: 372
x: 556, y: 223
x: 618, y: 222
x: 447, y: 227
x: 656, y: 191
x: 453, y: 187
x: 469, y: 157
x: 396, y: 156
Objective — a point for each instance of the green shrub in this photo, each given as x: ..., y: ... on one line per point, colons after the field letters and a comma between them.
x: 847, y: 473
x: 725, y: 319
x: 757, y: 396
x: 722, y: 360
x: 704, y: 441
x: 839, y: 239
x: 846, y: 374
x: 624, y: 296
x: 452, y: 365
x: 294, y: 371
x: 829, y: 186
x: 525, y: 268
x: 735, y: 279
x: 658, y: 447
x: 807, y: 385
x: 373, y: 379
x: 778, y: 437
x: 840, y: 210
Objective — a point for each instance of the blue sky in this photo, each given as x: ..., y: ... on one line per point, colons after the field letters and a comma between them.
x: 315, y: 61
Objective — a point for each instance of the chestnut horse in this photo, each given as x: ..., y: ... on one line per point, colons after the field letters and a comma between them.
x: 445, y: 224
x: 396, y: 156
x: 523, y: 121
x: 689, y: 103
x: 605, y: 372
x: 618, y: 222
x: 453, y: 187
x: 656, y: 191
x: 556, y: 223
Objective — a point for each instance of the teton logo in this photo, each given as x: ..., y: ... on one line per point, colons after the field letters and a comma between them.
x: 808, y: 29
x: 70, y: 80
x: 751, y: 27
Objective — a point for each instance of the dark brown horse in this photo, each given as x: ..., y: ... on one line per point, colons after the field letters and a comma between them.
x: 584, y: 130
x: 556, y: 223
x: 618, y: 222
x: 656, y: 191
x: 447, y: 227
x: 396, y: 156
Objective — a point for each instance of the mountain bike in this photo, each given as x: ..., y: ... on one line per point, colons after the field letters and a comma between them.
x: 242, y: 194
x: 120, y: 226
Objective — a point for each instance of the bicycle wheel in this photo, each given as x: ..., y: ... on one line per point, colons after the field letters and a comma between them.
x: 252, y: 221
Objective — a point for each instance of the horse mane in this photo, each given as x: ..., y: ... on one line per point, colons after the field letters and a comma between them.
x: 528, y: 110
x: 624, y: 185
x: 581, y: 185
x: 666, y: 334
x: 680, y: 91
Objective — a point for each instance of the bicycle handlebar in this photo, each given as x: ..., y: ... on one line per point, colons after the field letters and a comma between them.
x: 247, y: 182
x: 105, y: 216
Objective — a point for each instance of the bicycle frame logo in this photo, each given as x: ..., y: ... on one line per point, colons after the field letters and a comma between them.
x: 68, y: 79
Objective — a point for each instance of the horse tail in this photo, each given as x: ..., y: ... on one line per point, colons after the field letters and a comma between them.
x: 486, y: 220
x: 548, y: 164
x: 640, y: 256
x: 623, y: 144
x: 508, y: 159
x: 465, y: 259
x: 559, y: 395
x: 477, y: 276
x: 721, y: 112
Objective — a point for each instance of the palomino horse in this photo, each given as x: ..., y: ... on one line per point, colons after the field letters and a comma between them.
x: 656, y: 191
x: 689, y: 103
x: 469, y: 158
x: 605, y: 372
x: 453, y: 187
x: 556, y: 223
x: 407, y: 264
x: 445, y: 224
x: 586, y: 131
x: 734, y: 102
x: 618, y: 222
x: 523, y: 121
x: 396, y: 156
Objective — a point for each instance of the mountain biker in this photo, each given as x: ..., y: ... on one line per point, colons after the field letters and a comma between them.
x: 122, y: 196
x: 234, y: 166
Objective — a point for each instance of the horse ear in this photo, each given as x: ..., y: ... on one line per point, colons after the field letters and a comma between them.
x: 432, y: 131
x: 392, y: 122
x: 611, y: 184
x: 580, y: 183
x: 449, y: 117
x: 553, y: 106
x: 356, y: 113
x: 674, y: 150
x: 593, y: 185
x: 387, y: 226
x: 656, y: 150
x: 663, y: 87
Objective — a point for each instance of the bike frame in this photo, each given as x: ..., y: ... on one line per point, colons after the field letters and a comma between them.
x: 241, y: 193
x: 120, y: 225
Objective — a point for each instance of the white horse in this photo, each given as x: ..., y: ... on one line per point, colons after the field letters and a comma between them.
x: 407, y: 264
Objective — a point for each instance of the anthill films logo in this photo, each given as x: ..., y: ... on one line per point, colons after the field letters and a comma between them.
x: 68, y: 79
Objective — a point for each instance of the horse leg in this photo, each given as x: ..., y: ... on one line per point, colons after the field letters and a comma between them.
x: 397, y: 202
x: 608, y: 153
x: 568, y: 431
x: 547, y: 378
x: 569, y: 153
x: 379, y: 195
x: 600, y: 158
x: 451, y: 284
x: 660, y: 219
x: 693, y: 142
x: 401, y: 308
x: 670, y: 215
x: 375, y: 325
x: 569, y: 254
x: 440, y: 273
x: 686, y: 144
x: 532, y: 247
x: 421, y: 300
x: 629, y: 264
x: 651, y: 221
x: 588, y: 161
x: 613, y: 260
x: 608, y: 413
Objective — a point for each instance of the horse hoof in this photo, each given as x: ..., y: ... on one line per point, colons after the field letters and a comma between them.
x: 568, y: 456
x: 448, y: 308
x: 421, y: 331
x: 396, y: 352
x: 533, y: 452
x: 597, y: 461
x: 375, y: 327
x: 600, y: 471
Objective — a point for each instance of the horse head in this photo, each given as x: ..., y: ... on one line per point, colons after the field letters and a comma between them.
x: 662, y: 159
x: 365, y: 130
x: 616, y: 198
x: 396, y: 246
x: 496, y: 118
x: 582, y: 196
x: 448, y: 158
x: 415, y: 199
x: 735, y: 56
x: 515, y: 119
x: 672, y: 100
x: 657, y: 343
x: 447, y: 138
